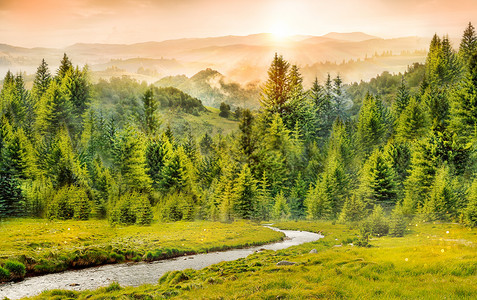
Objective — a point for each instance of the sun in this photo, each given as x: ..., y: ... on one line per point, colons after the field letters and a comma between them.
x: 280, y: 31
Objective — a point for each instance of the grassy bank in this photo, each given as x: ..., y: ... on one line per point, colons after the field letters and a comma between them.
x: 45, y: 246
x: 433, y: 261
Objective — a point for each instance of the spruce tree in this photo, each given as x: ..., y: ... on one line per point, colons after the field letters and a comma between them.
x: 412, y: 123
x: 42, y: 81
x: 463, y: 121
x: 275, y: 93
x: 65, y: 67
x: 402, y: 98
x: 373, y: 124
x: 245, y: 195
x: 378, y: 185
x: 468, y: 45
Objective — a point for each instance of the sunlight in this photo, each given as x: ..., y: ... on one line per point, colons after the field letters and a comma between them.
x: 280, y: 31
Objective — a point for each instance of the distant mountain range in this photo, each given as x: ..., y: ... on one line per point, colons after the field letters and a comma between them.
x: 239, y: 58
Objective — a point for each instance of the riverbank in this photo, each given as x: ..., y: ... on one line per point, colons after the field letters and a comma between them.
x: 45, y: 246
x: 135, y: 274
x: 432, y: 261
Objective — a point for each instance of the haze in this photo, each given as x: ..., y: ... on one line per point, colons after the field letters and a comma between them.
x: 58, y: 23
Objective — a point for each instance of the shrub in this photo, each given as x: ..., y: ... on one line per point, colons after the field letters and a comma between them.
x: 16, y: 269
x: 376, y: 224
x: 70, y: 202
x: 132, y: 208
x: 4, y: 274
x: 398, y: 222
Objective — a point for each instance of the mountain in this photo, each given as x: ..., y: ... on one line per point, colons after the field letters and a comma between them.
x: 214, y: 88
x: 350, y: 36
x: 243, y: 59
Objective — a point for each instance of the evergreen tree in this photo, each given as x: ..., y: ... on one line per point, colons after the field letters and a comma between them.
x: 11, y: 197
x: 297, y: 198
x: 463, y: 110
x: 354, y: 210
x: 264, y: 205
x: 439, y: 202
x: 468, y: 45
x: 158, y: 150
x: 301, y: 111
x: 42, y: 81
x: 378, y: 184
x: 323, y: 117
x: 65, y: 67
x: 275, y: 93
x: 373, y: 124
x: 245, y: 195
x: 402, y: 98
x: 177, y: 174
x: 54, y: 111
x: 412, y: 123
x: 318, y: 202
x: 424, y: 164
x: 280, y: 210
x: 470, y: 212
x: 129, y: 160
x: 150, y: 105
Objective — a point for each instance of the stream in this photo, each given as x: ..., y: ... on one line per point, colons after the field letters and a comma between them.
x: 135, y: 274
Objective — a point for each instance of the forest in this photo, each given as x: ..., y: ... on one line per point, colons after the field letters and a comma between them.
x: 373, y: 155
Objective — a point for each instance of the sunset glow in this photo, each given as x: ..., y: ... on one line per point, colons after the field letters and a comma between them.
x: 55, y: 23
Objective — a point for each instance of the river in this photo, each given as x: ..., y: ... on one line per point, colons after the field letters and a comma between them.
x: 135, y: 274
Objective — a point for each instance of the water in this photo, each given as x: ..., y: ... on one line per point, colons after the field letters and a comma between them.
x: 135, y: 274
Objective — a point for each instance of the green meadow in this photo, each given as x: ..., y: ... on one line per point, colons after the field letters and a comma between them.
x: 46, y: 246
x: 432, y: 261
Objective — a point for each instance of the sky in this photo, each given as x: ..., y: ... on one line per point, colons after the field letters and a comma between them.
x: 59, y: 23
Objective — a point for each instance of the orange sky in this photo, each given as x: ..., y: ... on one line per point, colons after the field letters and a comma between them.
x: 58, y: 23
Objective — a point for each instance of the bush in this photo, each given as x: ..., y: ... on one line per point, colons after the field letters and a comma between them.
x: 68, y: 203
x: 398, y: 222
x: 4, y: 274
x: 132, y: 208
x: 16, y: 269
x: 376, y: 224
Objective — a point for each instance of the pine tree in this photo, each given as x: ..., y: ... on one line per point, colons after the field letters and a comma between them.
x: 338, y: 96
x: 412, y: 123
x: 280, y: 210
x: 247, y: 139
x: 41, y: 82
x: 424, y: 163
x: 323, y: 118
x: 470, y: 211
x: 354, y: 210
x: 65, y: 67
x: 463, y: 110
x: 264, y: 205
x: 439, y: 202
x: 378, y: 184
x: 468, y: 45
x: 402, y: 98
x: 54, y: 111
x: 297, y: 198
x: 301, y: 111
x: 318, y: 202
x: 245, y: 195
x: 177, y: 172
x: 158, y: 149
x: 150, y: 105
x: 275, y: 93
x: 373, y: 124
x: 129, y: 160
x: 11, y: 198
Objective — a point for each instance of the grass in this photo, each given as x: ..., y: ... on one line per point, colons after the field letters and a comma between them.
x: 45, y: 246
x: 433, y: 261
x: 208, y: 121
